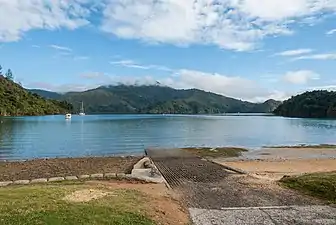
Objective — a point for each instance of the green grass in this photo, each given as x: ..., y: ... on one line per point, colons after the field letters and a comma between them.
x: 223, y: 152
x: 321, y: 146
x: 322, y: 185
x: 43, y: 204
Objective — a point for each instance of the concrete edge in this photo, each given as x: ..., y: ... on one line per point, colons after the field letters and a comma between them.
x: 230, y: 168
x: 164, y: 179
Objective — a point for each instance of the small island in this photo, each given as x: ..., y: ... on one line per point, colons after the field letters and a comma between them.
x: 311, y: 104
x: 16, y: 101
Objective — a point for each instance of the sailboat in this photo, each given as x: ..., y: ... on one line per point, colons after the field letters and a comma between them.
x: 81, y: 112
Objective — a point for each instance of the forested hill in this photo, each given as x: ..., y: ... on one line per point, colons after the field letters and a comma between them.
x: 314, y: 104
x: 16, y: 101
x: 158, y: 99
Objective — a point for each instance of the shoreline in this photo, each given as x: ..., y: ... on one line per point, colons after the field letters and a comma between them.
x: 270, y: 162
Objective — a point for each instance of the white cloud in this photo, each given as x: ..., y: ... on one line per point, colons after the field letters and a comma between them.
x: 36, y: 46
x: 19, y: 16
x: 295, y: 52
x: 128, y: 63
x: 230, y: 24
x: 61, y: 48
x: 326, y: 87
x: 331, y: 32
x: 327, y: 56
x: 132, y: 64
x: 300, y: 76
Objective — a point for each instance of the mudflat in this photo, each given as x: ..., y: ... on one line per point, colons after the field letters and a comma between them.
x: 61, y: 167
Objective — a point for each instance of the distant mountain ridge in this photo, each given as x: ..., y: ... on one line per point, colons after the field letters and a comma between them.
x: 156, y: 99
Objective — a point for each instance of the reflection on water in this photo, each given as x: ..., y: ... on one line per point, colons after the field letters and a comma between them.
x: 99, y: 135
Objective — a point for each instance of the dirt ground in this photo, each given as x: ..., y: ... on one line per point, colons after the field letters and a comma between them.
x: 163, y: 204
x: 273, y: 164
x: 60, y: 167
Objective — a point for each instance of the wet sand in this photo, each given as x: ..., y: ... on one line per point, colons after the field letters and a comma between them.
x: 273, y: 164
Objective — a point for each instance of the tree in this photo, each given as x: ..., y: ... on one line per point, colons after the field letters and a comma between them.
x: 9, y: 74
x: 0, y: 70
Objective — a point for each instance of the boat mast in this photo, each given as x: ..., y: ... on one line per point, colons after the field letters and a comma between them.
x: 82, y: 108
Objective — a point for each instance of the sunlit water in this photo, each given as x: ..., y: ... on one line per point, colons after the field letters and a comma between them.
x: 102, y: 135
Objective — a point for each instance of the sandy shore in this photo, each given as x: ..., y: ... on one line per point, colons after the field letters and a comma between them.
x: 273, y: 164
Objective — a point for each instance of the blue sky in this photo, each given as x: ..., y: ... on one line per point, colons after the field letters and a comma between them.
x: 247, y: 49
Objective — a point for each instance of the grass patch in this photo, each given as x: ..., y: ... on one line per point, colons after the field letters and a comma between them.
x: 321, y: 146
x: 44, y: 204
x: 321, y: 185
x: 224, y: 152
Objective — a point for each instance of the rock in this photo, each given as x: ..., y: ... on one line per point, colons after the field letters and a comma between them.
x: 71, y: 178
x: 54, y: 179
x: 23, y: 182
x: 97, y: 175
x: 5, y: 183
x: 40, y: 180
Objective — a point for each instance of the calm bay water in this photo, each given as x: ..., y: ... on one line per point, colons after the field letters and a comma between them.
x: 103, y: 135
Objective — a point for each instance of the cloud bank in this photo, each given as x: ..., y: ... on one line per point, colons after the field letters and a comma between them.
x: 237, y: 25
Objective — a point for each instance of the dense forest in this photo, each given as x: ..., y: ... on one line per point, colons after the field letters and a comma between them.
x: 157, y: 99
x: 16, y: 101
x: 314, y: 104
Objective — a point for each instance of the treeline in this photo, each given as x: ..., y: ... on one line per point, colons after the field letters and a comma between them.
x: 16, y: 101
x: 156, y: 99
x: 313, y: 104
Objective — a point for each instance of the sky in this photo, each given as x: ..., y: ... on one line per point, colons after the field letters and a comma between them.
x: 247, y: 49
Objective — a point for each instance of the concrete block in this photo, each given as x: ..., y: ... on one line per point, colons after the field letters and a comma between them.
x: 40, y: 180
x: 110, y: 175
x: 142, y: 163
x: 5, y: 183
x: 54, y: 179
x: 84, y: 176
x: 21, y: 182
x: 121, y: 175
x: 71, y: 178
x: 97, y: 175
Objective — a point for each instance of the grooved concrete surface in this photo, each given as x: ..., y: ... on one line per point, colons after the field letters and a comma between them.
x: 291, y: 215
x: 216, y: 196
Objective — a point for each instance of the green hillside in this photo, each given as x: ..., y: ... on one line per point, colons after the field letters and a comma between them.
x: 314, y: 104
x: 16, y: 101
x: 160, y: 99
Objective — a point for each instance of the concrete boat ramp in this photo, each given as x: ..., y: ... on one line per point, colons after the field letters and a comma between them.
x: 217, y: 195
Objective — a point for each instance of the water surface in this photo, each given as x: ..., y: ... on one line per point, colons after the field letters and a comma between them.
x: 103, y: 135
